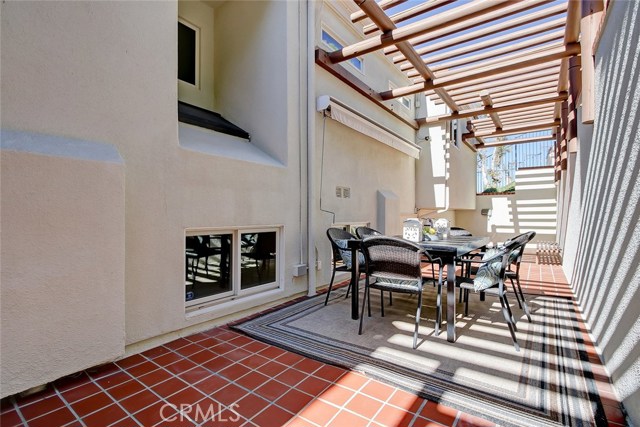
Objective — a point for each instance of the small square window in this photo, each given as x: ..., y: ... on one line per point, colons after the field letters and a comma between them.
x: 187, y: 53
x: 334, y: 44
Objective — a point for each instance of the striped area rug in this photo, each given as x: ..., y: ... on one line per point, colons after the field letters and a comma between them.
x: 548, y: 382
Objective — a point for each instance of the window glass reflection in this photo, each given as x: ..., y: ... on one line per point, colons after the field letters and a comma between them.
x: 258, y: 265
x: 208, y: 265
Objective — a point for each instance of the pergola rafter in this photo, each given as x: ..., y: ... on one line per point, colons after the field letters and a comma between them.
x: 501, y: 64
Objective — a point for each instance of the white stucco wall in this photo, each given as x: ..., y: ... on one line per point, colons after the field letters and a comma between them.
x: 111, y: 77
x: 445, y: 174
x: 603, y: 234
x: 62, y: 251
x: 531, y: 208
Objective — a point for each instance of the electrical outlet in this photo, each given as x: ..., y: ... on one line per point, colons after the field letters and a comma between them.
x: 318, y: 265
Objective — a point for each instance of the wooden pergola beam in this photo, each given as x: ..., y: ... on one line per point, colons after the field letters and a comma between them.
x: 460, y: 14
x: 517, y: 141
x: 513, y: 131
x: 530, y: 102
x: 592, y: 11
x: 470, y: 75
x: 514, y: 81
x: 512, y: 97
x: 454, y: 28
x: 472, y: 97
x: 382, y: 21
x: 515, y: 47
x: 516, y: 122
x: 406, y: 14
x: 480, y: 123
x: 488, y: 103
x: 346, y: 77
x: 485, y: 44
x: 384, y: 5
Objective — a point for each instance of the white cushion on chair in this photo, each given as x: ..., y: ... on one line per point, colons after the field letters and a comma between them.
x: 488, y: 274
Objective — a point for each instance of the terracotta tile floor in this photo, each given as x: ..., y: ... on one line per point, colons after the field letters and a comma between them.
x: 223, y: 378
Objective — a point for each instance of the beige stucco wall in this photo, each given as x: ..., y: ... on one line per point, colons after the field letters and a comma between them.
x: 532, y: 207
x: 111, y: 77
x: 62, y: 251
x: 445, y: 174
x: 601, y: 255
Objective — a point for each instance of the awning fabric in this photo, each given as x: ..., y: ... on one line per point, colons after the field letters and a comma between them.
x: 359, y: 122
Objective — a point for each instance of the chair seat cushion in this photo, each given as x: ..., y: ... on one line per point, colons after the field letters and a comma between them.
x: 346, y: 253
x: 488, y: 274
x: 396, y: 285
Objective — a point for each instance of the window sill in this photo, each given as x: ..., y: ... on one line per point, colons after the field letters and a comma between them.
x: 195, y: 138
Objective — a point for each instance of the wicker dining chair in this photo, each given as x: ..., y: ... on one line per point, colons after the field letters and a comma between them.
x: 363, y: 232
x: 394, y: 265
x: 489, y: 279
x: 513, y: 273
x: 341, y: 256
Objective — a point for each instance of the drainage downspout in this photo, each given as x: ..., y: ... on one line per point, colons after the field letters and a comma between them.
x: 311, y: 249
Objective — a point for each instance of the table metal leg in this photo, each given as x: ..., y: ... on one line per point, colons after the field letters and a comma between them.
x: 355, y: 276
x: 451, y: 301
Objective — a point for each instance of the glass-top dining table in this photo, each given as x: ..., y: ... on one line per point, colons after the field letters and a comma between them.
x: 448, y: 250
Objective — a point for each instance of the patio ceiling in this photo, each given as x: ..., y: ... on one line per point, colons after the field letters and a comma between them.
x: 504, y: 65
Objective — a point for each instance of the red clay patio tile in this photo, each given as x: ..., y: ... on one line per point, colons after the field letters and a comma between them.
x: 142, y: 368
x: 254, y: 361
x: 319, y: 412
x: 294, y: 400
x: 186, y: 396
x: 59, y: 417
x: 179, y: 343
x: 139, y: 401
x: 439, y: 413
x: 272, y: 369
x: 392, y: 416
x: 330, y: 373
x: 290, y: 359
x: 169, y: 387
x: 10, y: 419
x: 41, y: 407
x: 105, y: 416
x: 211, y: 384
x: 91, y: 404
x: 125, y: 390
x: 363, y: 405
x: 378, y: 390
x: 130, y: 361
x: 229, y: 394
x: 113, y: 380
x: 152, y: 353
x: 153, y: 414
x: 194, y: 375
x: 217, y: 364
x: 180, y: 366
x: 313, y: 385
x: 406, y: 400
x: 234, y: 371
x: 291, y: 377
x: 202, y: 356
x: 272, y: 390
x: 352, y: 380
x: 154, y: 377
x: 167, y: 359
x: 81, y: 392
x: 272, y: 417
x: 272, y: 352
x: 237, y: 354
x: 345, y: 418
x: 337, y: 395
x: 308, y: 365
x: 250, y: 405
x: 253, y: 380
